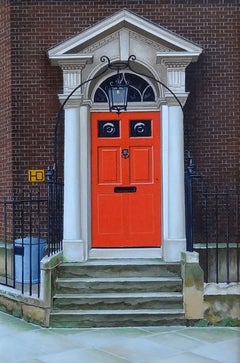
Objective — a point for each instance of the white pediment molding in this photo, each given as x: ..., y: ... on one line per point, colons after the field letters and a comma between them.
x: 138, y: 25
x: 158, y: 51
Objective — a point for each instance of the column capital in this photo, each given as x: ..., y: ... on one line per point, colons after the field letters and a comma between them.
x: 175, y: 64
x: 74, y: 101
x: 72, y: 66
x: 171, y: 100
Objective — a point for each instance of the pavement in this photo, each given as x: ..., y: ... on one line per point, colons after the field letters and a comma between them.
x: 22, y: 342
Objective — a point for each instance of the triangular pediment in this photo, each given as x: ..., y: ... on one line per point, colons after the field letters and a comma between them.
x: 124, y: 24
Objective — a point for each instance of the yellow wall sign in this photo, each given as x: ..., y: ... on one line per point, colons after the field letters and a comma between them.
x: 36, y: 176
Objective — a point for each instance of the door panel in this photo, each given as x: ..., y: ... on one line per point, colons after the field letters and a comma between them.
x: 141, y: 222
x: 126, y: 180
x: 141, y: 170
x: 109, y: 165
x: 110, y: 222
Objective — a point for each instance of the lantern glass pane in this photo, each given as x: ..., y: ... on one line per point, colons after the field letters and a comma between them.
x: 119, y: 95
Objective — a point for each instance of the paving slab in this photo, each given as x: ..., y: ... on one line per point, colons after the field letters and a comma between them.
x: 22, y: 342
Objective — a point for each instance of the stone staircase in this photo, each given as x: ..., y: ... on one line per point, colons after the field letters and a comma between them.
x: 111, y: 293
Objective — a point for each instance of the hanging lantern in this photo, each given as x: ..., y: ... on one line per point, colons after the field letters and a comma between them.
x: 118, y: 94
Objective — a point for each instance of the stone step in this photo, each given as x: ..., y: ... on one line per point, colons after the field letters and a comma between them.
x: 118, y: 284
x: 119, y: 268
x: 116, y: 318
x: 116, y: 301
x: 126, y: 292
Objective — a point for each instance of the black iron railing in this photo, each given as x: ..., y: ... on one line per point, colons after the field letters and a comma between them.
x: 212, y: 228
x: 31, y: 225
x: 54, y: 212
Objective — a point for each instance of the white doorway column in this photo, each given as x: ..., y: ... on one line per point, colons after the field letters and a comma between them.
x: 76, y: 228
x: 175, y: 241
x: 176, y: 207
x: 173, y: 158
x: 72, y: 241
x: 74, y: 248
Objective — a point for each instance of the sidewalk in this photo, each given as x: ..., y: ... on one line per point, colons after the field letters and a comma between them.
x: 21, y: 342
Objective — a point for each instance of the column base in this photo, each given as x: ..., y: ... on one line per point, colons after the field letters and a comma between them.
x: 172, y: 249
x: 73, y: 251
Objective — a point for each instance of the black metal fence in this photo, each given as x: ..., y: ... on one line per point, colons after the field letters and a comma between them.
x: 212, y: 228
x: 31, y: 225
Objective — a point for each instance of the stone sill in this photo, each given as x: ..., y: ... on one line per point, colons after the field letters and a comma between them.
x: 222, y: 288
x: 203, y: 246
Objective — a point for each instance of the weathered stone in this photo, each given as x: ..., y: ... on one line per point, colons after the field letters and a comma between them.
x: 193, y: 286
x: 222, y: 302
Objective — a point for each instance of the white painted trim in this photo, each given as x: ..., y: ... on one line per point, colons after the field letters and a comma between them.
x: 164, y: 122
x: 110, y: 253
x: 85, y: 165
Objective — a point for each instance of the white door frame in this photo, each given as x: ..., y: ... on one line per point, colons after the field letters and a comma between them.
x: 164, y: 56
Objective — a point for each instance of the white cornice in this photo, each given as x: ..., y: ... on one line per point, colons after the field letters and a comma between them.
x: 71, y: 59
x: 174, y: 59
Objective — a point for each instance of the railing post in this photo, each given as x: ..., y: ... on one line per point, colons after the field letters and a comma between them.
x: 49, y: 180
x: 54, y: 211
x: 189, y: 203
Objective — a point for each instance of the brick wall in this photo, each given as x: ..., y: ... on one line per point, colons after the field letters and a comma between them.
x: 212, y: 111
x: 5, y: 97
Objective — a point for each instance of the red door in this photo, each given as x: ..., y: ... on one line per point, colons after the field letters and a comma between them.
x: 126, y: 180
